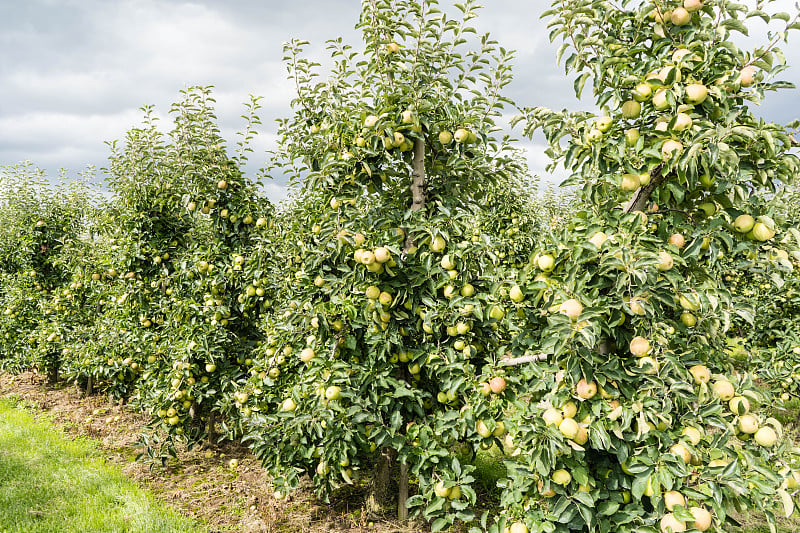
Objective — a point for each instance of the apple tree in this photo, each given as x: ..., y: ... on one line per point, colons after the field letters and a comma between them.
x: 382, y: 348
x: 43, y: 224
x: 770, y: 286
x: 635, y: 422
x: 168, y: 281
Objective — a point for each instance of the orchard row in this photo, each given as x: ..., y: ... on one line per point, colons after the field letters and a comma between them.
x: 417, y: 302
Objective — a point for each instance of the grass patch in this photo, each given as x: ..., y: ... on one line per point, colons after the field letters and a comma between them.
x: 49, y: 483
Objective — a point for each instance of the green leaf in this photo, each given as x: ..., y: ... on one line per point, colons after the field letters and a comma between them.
x: 607, y: 508
x: 439, y: 524
x: 560, y: 52
x: 758, y: 13
x: 640, y: 484
x: 736, y: 25
x: 788, y: 502
x: 580, y: 82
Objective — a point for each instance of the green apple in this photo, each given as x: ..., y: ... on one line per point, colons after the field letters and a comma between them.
x: 696, y: 93
x: 631, y: 109
x: 642, y: 92
x: 631, y: 136
x: 603, y: 124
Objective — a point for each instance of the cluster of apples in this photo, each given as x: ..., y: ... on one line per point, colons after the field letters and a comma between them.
x: 761, y: 228
x: 563, y: 418
x: 660, y: 87
x: 374, y: 260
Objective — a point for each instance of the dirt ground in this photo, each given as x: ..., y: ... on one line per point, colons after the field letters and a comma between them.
x: 199, y: 484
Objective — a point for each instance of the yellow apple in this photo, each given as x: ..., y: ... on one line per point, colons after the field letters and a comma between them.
x: 670, y: 524
x: 546, y: 262
x: 681, y: 451
x: 682, y: 122
x: 747, y: 76
x: 438, y: 244
x: 482, y: 429
x: 744, y: 223
x: 631, y: 108
x: 739, y: 405
x: 696, y: 93
x: 641, y: 93
x: 572, y: 308
x: 681, y: 17
x: 673, y: 498
x: 552, y: 417
x: 561, y: 477
x: 629, y: 182
x: 671, y: 147
x: 519, y: 527
x: 569, y: 409
x: 569, y: 428
x: 723, y: 389
x: 766, y: 437
x: 702, y: 518
x: 748, y: 424
x: 693, y: 434
x: 461, y: 135
x: 693, y: 5
x: 603, y: 124
x: 639, y: 346
x: 586, y: 390
x: 665, y: 261
x: 288, y: 405
x: 516, y: 294
x: 598, y: 239
x: 677, y: 240
x: 440, y: 490
x: 700, y: 373
x: 660, y: 101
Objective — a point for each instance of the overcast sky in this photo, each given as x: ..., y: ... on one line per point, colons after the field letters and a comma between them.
x: 75, y: 73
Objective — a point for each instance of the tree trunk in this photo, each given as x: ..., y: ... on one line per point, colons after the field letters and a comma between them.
x: 402, y: 496
x: 417, y: 183
x: 418, y: 176
x: 89, y: 386
x: 52, y: 373
x: 380, y: 495
x: 211, y: 431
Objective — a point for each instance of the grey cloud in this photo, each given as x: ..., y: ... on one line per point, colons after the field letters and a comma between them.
x: 75, y: 72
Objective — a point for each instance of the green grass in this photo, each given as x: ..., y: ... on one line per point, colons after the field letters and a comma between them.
x: 49, y: 483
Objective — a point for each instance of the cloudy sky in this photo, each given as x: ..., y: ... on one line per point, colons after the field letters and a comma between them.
x: 74, y: 73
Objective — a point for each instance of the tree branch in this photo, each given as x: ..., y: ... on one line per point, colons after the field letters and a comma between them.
x: 642, y: 194
x: 516, y: 361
